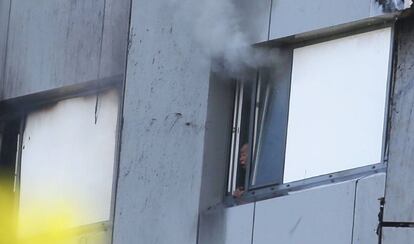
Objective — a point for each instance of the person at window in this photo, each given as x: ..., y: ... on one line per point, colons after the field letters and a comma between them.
x: 244, y: 155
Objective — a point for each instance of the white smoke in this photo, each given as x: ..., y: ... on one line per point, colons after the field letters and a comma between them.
x: 387, y: 6
x: 398, y: 4
x: 216, y: 27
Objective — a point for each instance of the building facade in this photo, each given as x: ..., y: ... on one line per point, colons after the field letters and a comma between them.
x: 218, y: 122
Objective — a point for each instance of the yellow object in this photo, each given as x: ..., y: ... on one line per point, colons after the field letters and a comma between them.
x: 45, y: 222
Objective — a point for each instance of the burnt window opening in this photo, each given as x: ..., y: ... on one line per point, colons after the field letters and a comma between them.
x: 319, y: 118
x: 10, y: 134
x: 60, y: 152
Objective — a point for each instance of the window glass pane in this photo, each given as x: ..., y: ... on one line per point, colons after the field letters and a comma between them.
x: 270, y: 133
x: 245, y: 131
x: 337, y: 104
x: 68, y: 158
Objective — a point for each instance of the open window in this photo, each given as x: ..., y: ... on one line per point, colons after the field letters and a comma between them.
x: 322, y: 113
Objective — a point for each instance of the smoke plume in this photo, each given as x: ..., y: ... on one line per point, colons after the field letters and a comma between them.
x: 216, y: 27
x: 392, y: 5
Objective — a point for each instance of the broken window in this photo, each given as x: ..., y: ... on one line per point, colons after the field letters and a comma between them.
x: 329, y: 116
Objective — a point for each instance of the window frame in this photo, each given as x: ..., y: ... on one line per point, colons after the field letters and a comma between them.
x: 17, y: 109
x: 270, y: 190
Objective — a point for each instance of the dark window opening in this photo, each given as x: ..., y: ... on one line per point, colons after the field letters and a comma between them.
x: 259, y: 133
x: 9, y: 144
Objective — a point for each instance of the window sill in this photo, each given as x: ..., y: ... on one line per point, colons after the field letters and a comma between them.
x: 272, y: 191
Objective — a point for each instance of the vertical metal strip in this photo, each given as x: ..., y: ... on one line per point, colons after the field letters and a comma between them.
x: 237, y: 144
x: 233, y: 138
x: 388, y: 99
x: 251, y: 130
x: 256, y: 115
x: 18, y: 164
x: 265, y: 106
x: 120, y: 130
x: 253, y: 223
x: 388, y: 114
x: 270, y: 20
x: 102, y: 39
x: 354, y: 210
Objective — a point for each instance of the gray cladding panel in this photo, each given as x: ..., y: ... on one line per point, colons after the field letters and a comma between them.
x: 317, y: 216
x: 399, y: 197
x: 291, y: 17
x: 227, y: 226
x: 162, y: 144
x: 4, y: 20
x: 239, y: 224
x: 52, y: 43
x: 115, y: 38
x: 397, y: 235
x: 367, y: 207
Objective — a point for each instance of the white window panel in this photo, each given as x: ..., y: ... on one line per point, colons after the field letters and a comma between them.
x: 68, y: 157
x: 337, y: 104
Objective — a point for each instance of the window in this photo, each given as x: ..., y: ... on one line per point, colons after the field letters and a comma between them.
x: 68, y: 155
x: 323, y: 114
x: 63, y: 155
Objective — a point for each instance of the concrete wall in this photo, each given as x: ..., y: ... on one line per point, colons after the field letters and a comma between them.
x: 217, y: 141
x: 167, y: 89
x: 53, y: 44
x: 398, y: 208
x: 170, y: 124
x: 400, y: 181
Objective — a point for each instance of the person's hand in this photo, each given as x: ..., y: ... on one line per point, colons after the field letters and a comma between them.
x: 238, y: 192
x: 244, y: 155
